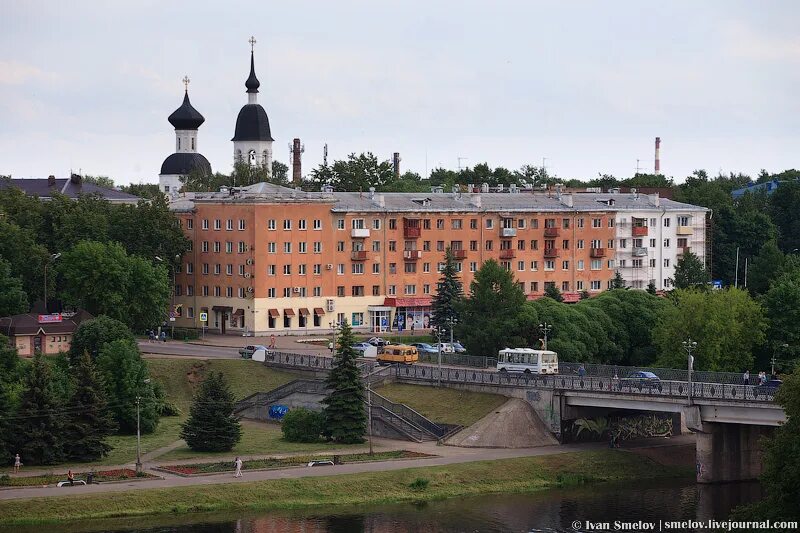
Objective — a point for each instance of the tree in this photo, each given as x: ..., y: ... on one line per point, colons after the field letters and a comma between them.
x: 356, y: 173
x: 784, y: 205
x: 6, y: 422
x: 89, y: 420
x: 93, y: 334
x: 551, y: 291
x: 9, y: 363
x: 726, y: 324
x: 126, y: 378
x: 651, y: 288
x: 302, y: 425
x: 26, y: 258
x: 40, y: 418
x: 449, y: 293
x: 147, y: 292
x: 690, y: 273
x: 148, y: 191
x: 783, y: 312
x: 13, y: 299
x: 212, y: 425
x: 345, y: 415
x: 491, y: 313
x: 767, y: 266
x: 618, y: 282
x: 280, y: 173
x: 100, y: 181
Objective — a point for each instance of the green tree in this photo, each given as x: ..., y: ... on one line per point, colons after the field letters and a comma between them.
x: 9, y: 363
x: 766, y: 267
x: 149, y: 191
x: 126, y: 378
x: 13, y: 299
x: 783, y: 313
x: 302, y: 425
x: 6, y: 423
x: 280, y: 173
x: 726, y: 324
x: 618, y: 282
x: 26, y: 258
x: 93, y: 334
x: 148, y: 293
x: 356, y: 173
x: 690, y: 273
x: 651, y: 288
x: 40, y: 418
x: 89, y: 420
x: 448, y: 297
x: 100, y: 181
x: 345, y: 415
x: 552, y: 292
x: 491, y: 313
x: 212, y: 425
x: 784, y: 206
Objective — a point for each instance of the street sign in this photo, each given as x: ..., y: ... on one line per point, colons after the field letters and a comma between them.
x: 172, y: 319
x: 717, y: 283
x: 203, y: 317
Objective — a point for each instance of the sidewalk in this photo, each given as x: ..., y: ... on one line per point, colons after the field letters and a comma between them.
x: 286, y: 343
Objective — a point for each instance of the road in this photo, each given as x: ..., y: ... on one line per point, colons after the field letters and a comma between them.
x: 188, y: 350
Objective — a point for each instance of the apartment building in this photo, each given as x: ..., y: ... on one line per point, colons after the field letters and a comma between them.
x: 269, y: 259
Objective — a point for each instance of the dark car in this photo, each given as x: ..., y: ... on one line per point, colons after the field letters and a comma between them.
x: 770, y: 385
x: 641, y: 377
x: 424, y: 347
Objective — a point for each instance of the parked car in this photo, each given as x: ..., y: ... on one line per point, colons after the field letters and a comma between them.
x: 458, y: 347
x: 424, y: 347
x: 770, y: 385
x: 377, y: 341
x: 248, y: 351
x: 446, y: 347
x: 641, y: 377
x: 361, y: 346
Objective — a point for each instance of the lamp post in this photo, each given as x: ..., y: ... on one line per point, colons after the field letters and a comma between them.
x: 53, y: 257
x: 333, y: 326
x: 451, y: 322
x: 545, y: 329
x: 439, y: 333
x: 138, y: 433
x: 689, y: 345
x: 369, y: 410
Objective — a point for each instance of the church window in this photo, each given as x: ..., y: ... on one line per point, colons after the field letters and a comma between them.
x: 179, y: 143
x: 251, y: 155
x: 192, y: 143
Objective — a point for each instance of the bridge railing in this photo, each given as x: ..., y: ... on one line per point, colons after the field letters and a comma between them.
x: 314, y: 362
x: 458, y: 359
x: 665, y: 374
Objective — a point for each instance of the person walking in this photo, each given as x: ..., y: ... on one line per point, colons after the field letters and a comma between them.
x: 581, y: 371
x: 746, y: 377
x: 238, y: 464
x: 272, y: 342
x: 330, y: 347
x: 17, y: 463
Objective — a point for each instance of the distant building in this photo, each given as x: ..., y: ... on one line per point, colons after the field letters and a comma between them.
x: 72, y: 187
x: 46, y: 334
x: 769, y: 187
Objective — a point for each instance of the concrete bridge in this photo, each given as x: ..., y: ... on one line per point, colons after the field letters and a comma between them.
x: 728, y: 418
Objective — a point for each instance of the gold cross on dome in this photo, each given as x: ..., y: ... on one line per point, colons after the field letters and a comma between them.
x: 186, y: 81
x: 252, y: 42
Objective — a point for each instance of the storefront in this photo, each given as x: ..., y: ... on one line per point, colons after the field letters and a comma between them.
x: 380, y: 318
x: 410, y: 313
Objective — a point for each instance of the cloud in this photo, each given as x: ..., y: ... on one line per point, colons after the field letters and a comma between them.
x: 744, y: 42
x: 15, y: 73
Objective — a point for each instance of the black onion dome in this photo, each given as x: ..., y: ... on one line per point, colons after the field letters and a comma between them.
x: 183, y: 163
x: 252, y: 124
x: 186, y: 117
x: 252, y: 82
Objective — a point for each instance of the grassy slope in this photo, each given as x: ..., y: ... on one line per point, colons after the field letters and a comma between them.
x: 447, y: 406
x: 506, y: 476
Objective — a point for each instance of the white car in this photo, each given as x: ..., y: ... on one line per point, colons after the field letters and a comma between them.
x: 446, y: 347
x: 67, y: 483
x: 320, y: 463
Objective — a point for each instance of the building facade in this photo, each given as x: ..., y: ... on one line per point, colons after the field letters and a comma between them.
x: 269, y: 259
x: 46, y: 334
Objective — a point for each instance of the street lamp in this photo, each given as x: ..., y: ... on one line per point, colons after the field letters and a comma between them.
x: 333, y: 326
x: 545, y: 329
x: 451, y: 322
x: 139, y: 434
x: 690, y: 345
x: 439, y: 333
x: 369, y: 409
x: 53, y: 257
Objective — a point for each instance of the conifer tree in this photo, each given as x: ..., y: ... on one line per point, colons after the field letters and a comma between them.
x: 345, y: 415
x: 89, y: 420
x: 212, y: 426
x: 618, y: 282
x: 6, y: 412
x: 448, y: 297
x: 651, y: 287
x: 551, y: 291
x: 41, y: 418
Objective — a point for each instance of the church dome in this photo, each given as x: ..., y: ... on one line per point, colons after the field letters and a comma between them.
x: 252, y: 124
x: 186, y: 117
x: 182, y: 164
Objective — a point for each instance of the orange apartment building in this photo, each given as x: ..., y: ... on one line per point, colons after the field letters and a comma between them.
x: 269, y: 259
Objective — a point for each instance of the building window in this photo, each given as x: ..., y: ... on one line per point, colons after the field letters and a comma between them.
x: 410, y: 268
x: 392, y: 246
x: 287, y: 270
x: 271, y: 224
x: 579, y: 285
x: 204, y: 224
x: 473, y: 246
x: 317, y: 292
x: 595, y: 285
x: 301, y: 269
x: 229, y: 224
x: 426, y: 246
x: 426, y: 267
x: 666, y: 243
x: 392, y: 268
x: 597, y: 222
x: 287, y: 223
x: 666, y: 222
x: 376, y: 223
x: 473, y: 223
x: 564, y: 265
x: 301, y: 247
x: 392, y: 223
x: 534, y: 286
x: 376, y: 268
x: 411, y: 289
x: 549, y: 264
x: 488, y: 245
x: 580, y: 264
x: 521, y: 266
x: 534, y: 244
x: 317, y: 247
x: 358, y: 268
x: 339, y: 223
x: 440, y: 246
x: 357, y: 290
x: 317, y: 224
x: 534, y: 266
x: 228, y: 247
x: 426, y: 288
x: 287, y: 247
x: 357, y: 223
x: 596, y: 264
x: 666, y: 262
x: 242, y: 247
x: 456, y: 223
x: 565, y: 285
x: 317, y: 269
x: 391, y: 290
x: 241, y: 224
x: 340, y: 269
x: 340, y: 291
x: 301, y: 224
x: 489, y: 223
x: 229, y: 292
x: 376, y: 246
x: 473, y: 266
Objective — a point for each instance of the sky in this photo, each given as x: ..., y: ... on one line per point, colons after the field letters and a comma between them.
x: 582, y: 86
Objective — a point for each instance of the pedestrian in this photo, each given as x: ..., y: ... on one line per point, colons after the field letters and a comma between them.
x: 272, y: 342
x: 163, y: 336
x: 330, y: 347
x: 762, y: 377
x: 581, y: 371
x: 238, y: 464
x: 615, y: 381
x: 71, y: 478
x: 17, y: 463
x: 746, y: 377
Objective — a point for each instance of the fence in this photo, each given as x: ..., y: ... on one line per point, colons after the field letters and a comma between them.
x: 457, y: 359
x: 667, y: 374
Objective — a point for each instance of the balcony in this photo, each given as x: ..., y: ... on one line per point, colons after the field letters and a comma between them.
x: 507, y: 254
x: 597, y: 252
x: 639, y: 251
x: 360, y: 233
x: 459, y: 254
x: 411, y: 232
x: 551, y: 232
x: 551, y: 252
x: 508, y: 232
x: 684, y: 250
x: 684, y: 230
x: 412, y: 255
x: 639, y: 231
x: 359, y: 255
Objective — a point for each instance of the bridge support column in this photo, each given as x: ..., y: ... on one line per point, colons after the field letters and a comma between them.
x: 729, y: 452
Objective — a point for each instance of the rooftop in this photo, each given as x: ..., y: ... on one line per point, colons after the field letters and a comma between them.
x: 72, y: 187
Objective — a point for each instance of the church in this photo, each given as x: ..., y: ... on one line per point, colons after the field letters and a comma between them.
x: 252, y: 138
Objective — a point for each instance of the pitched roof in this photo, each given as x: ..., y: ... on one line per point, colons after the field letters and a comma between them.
x: 45, y: 188
x: 28, y: 324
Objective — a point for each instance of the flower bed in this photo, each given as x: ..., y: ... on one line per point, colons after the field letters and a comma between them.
x: 120, y: 474
x: 286, y: 462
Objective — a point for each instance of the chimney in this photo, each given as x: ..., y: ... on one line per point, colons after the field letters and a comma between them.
x: 396, y: 164
x: 381, y: 200
x: 658, y: 156
x: 654, y: 199
x: 372, y: 193
x: 568, y: 200
x: 51, y: 180
x: 297, y: 151
x: 76, y: 179
x: 476, y: 200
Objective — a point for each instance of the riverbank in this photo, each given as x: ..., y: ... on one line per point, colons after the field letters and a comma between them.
x: 519, y: 475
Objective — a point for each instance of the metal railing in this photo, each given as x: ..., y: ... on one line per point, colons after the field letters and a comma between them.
x: 457, y: 359
x: 262, y: 399
x: 669, y: 374
x: 407, y: 413
x: 312, y: 362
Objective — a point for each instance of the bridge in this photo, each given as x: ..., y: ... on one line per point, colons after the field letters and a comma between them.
x: 728, y: 418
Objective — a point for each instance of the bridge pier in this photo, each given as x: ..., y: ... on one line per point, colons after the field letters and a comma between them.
x: 729, y: 452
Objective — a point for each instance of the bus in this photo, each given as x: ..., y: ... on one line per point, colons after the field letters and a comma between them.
x: 398, y: 353
x: 527, y: 360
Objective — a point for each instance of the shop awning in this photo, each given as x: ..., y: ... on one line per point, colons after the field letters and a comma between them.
x: 239, y: 312
x: 288, y: 312
x: 222, y: 308
x: 408, y: 302
x: 303, y: 312
x: 274, y: 313
x: 319, y: 311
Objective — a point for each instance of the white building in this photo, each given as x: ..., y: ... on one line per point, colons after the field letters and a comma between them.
x: 252, y: 140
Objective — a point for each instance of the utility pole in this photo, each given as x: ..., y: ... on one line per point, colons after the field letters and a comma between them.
x: 138, y: 439
x: 369, y: 409
x: 736, y: 276
x: 439, y: 358
x: 545, y: 328
x: 690, y: 345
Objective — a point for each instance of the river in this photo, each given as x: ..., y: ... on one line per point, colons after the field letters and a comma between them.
x: 547, y: 511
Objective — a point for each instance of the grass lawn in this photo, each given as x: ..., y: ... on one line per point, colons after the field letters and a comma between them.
x: 446, y: 406
x: 258, y: 438
x: 528, y: 474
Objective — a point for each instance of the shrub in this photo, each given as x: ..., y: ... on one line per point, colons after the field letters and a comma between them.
x: 419, y: 484
x: 186, y: 334
x: 302, y: 425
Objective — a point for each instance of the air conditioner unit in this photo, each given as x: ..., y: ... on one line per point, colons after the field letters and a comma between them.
x: 329, y: 266
x: 250, y: 290
x: 249, y: 262
x: 247, y: 274
x: 296, y: 290
x: 329, y: 305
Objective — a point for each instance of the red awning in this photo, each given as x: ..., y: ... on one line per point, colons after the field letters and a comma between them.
x: 304, y: 312
x: 274, y: 313
x: 570, y: 297
x: 288, y: 312
x: 408, y: 302
x: 319, y: 311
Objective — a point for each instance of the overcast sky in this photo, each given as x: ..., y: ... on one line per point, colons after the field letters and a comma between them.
x: 586, y: 85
